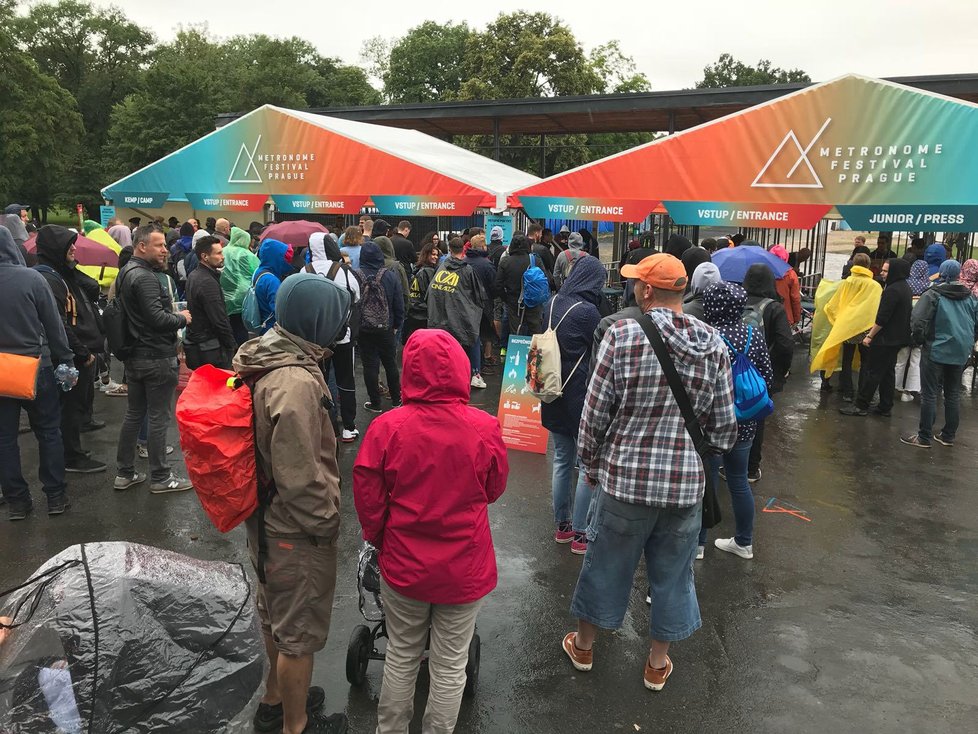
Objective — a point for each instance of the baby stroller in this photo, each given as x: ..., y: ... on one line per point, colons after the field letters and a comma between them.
x: 363, y: 641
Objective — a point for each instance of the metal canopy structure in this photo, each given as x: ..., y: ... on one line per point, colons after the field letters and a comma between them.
x: 668, y: 111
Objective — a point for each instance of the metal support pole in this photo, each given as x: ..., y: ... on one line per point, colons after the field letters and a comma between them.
x: 495, y: 139
x: 543, y: 155
x: 672, y: 121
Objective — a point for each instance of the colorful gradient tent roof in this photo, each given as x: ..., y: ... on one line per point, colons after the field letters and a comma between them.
x: 314, y: 164
x: 887, y: 156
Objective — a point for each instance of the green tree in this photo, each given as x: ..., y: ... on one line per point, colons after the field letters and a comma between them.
x: 528, y: 55
x: 182, y: 92
x: 617, y: 71
x: 729, y: 72
x: 428, y: 64
x: 342, y: 86
x: 193, y: 78
x: 40, y: 127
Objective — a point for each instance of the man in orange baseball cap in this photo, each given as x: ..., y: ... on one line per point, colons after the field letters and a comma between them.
x: 659, y: 272
x: 635, y: 451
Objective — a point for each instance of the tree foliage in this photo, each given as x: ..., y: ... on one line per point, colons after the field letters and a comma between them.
x: 729, y: 72
x: 40, y: 127
x: 429, y: 63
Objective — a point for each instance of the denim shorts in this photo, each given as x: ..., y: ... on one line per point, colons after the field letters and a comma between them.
x: 619, y: 534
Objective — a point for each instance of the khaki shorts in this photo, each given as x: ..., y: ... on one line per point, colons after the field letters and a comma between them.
x: 296, y: 602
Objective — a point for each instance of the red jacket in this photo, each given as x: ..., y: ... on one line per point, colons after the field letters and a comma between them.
x: 425, y: 476
x: 789, y: 289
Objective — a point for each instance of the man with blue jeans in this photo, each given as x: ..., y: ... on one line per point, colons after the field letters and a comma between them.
x: 151, y: 364
x: 945, y: 322
x: 32, y: 327
x: 647, y: 474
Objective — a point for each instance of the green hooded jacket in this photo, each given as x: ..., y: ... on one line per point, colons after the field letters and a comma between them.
x: 239, y: 265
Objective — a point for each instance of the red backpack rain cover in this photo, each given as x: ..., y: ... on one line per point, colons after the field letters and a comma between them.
x: 217, y: 434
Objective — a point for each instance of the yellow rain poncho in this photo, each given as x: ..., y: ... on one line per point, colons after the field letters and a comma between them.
x: 850, y: 311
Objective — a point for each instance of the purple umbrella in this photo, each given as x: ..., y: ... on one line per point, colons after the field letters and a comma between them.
x: 295, y: 233
x: 87, y: 252
x: 733, y: 262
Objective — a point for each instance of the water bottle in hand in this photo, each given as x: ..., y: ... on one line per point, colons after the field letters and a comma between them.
x: 66, y: 376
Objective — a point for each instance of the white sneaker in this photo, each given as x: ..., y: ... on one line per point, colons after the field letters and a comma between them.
x: 350, y: 436
x: 143, y: 451
x: 700, y: 552
x: 730, y: 546
x: 106, y: 386
x: 906, y: 397
x: 477, y: 381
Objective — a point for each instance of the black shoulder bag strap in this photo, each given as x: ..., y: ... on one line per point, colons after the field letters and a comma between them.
x: 711, y: 506
x: 675, y: 383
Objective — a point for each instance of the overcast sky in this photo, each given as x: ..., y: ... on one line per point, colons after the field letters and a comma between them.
x: 671, y: 42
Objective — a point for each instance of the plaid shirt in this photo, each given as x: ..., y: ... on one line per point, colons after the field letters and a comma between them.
x: 633, y: 441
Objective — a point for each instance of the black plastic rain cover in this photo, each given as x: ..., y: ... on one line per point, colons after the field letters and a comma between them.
x: 121, y: 637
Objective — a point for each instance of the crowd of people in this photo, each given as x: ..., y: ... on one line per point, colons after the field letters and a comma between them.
x: 658, y: 402
x: 908, y: 323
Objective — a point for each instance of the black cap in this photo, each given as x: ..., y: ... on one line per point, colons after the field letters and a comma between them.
x: 134, y: 221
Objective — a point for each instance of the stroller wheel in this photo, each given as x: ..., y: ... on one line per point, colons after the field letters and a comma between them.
x: 472, y: 666
x: 358, y: 654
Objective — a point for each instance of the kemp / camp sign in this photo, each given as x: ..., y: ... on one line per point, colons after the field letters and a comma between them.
x: 854, y: 141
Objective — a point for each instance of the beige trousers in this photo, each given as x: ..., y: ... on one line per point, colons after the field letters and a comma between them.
x: 408, y: 622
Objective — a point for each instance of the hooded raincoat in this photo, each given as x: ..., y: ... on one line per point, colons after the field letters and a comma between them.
x: 850, y: 311
x: 371, y: 263
x: 760, y: 285
x: 896, y: 303
x: 945, y: 322
x: 291, y: 415
x: 575, y: 337
x: 969, y: 277
x: 425, y: 476
x: 934, y: 255
x: 274, y: 257
x: 31, y: 324
x: 723, y: 307
x: 392, y: 264
x: 240, y: 263
x: 75, y: 292
x: 919, y: 280
x: 323, y: 253
x: 705, y: 275
x: 457, y: 301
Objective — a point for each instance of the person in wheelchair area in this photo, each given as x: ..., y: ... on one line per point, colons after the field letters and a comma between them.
x: 422, y: 484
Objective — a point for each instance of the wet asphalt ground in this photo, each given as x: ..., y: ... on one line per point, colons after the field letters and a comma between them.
x: 862, y: 620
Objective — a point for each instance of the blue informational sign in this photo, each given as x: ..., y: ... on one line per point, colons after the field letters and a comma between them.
x: 498, y: 220
x: 106, y: 215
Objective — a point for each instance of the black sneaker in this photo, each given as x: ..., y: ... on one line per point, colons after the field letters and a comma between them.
x: 943, y: 441
x: 854, y: 410
x: 826, y: 386
x: 269, y: 717
x: 754, y: 476
x: 92, y: 425
x: 881, y: 413
x: 85, y: 466
x: 19, y: 512
x: 333, y: 724
x: 58, y: 506
x: 368, y: 406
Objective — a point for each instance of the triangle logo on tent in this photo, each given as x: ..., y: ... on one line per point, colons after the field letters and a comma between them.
x: 250, y: 174
x: 782, y: 169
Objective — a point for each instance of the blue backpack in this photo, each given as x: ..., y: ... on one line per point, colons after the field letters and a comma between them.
x: 536, y: 289
x: 250, y: 310
x: 751, y: 401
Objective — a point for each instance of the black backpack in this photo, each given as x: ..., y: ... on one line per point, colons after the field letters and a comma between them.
x: 115, y: 320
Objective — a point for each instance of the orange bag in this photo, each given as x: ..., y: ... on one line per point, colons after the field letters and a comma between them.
x: 217, y: 434
x: 18, y: 376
